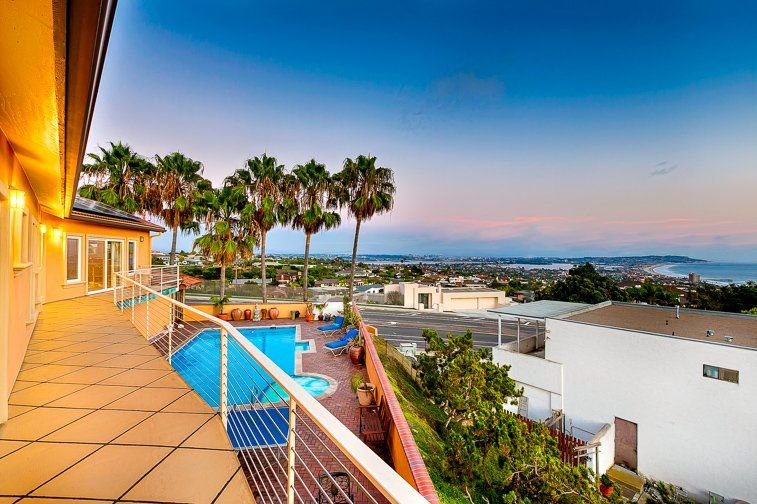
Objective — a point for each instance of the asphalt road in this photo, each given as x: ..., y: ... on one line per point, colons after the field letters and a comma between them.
x: 405, y: 326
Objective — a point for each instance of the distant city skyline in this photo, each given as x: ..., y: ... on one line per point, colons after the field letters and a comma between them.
x: 513, y: 129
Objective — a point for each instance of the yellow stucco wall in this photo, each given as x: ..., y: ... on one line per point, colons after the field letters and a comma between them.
x: 57, y: 288
x: 18, y: 310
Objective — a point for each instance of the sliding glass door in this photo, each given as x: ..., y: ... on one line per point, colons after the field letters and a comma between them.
x: 104, y: 260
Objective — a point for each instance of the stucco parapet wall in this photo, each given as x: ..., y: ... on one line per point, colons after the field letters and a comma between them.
x: 422, y: 482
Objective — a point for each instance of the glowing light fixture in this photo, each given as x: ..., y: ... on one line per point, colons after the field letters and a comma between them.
x: 17, y: 198
x: 57, y: 233
x: 43, y: 228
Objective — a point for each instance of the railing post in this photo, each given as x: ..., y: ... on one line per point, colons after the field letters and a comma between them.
x: 161, y: 281
x: 132, y: 303
x: 290, y: 451
x: 224, y: 377
x: 170, y: 330
x: 147, y: 315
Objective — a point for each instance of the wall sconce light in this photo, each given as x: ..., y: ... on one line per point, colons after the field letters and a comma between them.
x: 141, y: 239
x: 43, y: 228
x: 17, y: 198
x: 57, y: 233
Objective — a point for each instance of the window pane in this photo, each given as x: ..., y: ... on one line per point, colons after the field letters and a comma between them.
x: 711, y: 371
x: 72, y: 258
x: 132, y: 256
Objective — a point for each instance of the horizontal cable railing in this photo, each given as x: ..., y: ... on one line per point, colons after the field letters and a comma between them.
x: 291, y: 448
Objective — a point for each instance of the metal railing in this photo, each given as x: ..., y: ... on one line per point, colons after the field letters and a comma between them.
x: 292, y: 449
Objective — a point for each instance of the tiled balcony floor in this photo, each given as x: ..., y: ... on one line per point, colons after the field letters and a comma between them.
x: 98, y: 415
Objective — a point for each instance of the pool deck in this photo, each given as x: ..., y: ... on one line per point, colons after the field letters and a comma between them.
x: 97, y: 415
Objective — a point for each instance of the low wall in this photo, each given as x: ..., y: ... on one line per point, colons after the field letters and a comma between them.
x: 285, y: 309
x: 406, y: 458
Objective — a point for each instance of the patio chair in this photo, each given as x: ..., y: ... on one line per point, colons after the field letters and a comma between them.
x: 335, y: 485
x: 332, y: 327
x: 339, y: 346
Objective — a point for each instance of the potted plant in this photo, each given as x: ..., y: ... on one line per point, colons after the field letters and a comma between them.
x: 606, y: 485
x: 357, y: 351
x: 365, y: 390
x: 219, y: 303
x: 320, y: 307
x: 309, y: 315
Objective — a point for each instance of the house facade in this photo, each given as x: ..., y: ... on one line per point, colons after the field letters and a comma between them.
x: 430, y: 297
x: 53, y: 245
x: 668, y: 393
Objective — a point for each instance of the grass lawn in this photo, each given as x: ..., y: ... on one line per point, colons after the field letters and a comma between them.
x: 422, y: 416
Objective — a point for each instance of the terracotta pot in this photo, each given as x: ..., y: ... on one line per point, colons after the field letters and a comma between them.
x: 236, y: 314
x: 309, y: 317
x: 247, y: 314
x: 356, y: 354
x: 320, y: 317
x: 264, y: 314
x: 365, y: 394
x: 606, y: 490
x: 273, y: 313
x: 224, y: 316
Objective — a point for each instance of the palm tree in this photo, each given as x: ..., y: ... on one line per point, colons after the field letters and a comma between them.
x: 314, y: 188
x: 269, y: 195
x: 227, y: 237
x: 174, y: 196
x: 117, y: 177
x: 366, y: 190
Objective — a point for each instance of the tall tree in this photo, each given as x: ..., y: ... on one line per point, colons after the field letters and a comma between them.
x: 117, y: 176
x: 263, y: 182
x: 314, y: 190
x: 228, y: 237
x: 365, y: 190
x: 178, y: 188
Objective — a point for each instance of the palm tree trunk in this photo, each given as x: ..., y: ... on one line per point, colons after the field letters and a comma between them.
x: 172, y: 257
x: 305, y: 276
x: 223, y: 282
x: 262, y: 264
x: 354, y: 255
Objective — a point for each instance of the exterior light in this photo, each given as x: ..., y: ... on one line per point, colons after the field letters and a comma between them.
x: 141, y: 239
x: 17, y: 198
x: 43, y: 228
x: 57, y: 233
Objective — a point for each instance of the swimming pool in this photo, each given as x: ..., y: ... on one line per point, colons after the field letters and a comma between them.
x: 198, y: 362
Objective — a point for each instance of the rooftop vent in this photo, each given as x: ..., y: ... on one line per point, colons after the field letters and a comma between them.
x: 728, y: 339
x: 710, y: 332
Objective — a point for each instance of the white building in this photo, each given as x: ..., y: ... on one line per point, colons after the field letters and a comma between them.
x: 425, y: 297
x: 671, y: 394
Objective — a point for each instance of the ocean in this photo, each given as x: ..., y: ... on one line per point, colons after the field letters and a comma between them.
x: 714, y: 272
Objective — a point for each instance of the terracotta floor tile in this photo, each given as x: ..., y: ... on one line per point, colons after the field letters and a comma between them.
x: 9, y: 446
x: 237, y: 490
x: 30, y: 500
x: 169, y: 380
x: 93, y: 396
x: 46, y: 372
x: 85, y: 346
x: 125, y: 361
x: 144, y: 399
x: 88, y: 375
x: 155, y: 363
x: 85, y: 359
x: 39, y: 422
x: 47, y: 459
x: 101, y: 426
x: 47, y: 357
x: 21, y: 385
x: 49, y: 345
x: 187, y: 475
x: 136, y: 377
x: 106, y: 474
x: 14, y: 410
x: 164, y: 429
x: 211, y: 435
x: 189, y: 403
x: 42, y: 393
x: 146, y: 350
x: 118, y: 348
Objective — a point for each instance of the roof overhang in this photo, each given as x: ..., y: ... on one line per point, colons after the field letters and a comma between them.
x: 52, y: 54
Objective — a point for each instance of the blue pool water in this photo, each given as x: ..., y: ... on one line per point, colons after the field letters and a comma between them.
x: 198, y: 362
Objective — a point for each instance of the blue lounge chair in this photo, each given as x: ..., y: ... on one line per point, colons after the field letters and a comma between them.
x: 339, y: 346
x: 332, y: 327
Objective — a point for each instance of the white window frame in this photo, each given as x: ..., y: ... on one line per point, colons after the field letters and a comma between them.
x: 130, y: 268
x: 79, y: 240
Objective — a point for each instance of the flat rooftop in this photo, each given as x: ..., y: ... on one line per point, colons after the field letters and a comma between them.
x: 540, y: 310
x: 693, y: 324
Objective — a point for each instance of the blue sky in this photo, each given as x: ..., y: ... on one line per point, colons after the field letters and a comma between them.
x: 514, y: 128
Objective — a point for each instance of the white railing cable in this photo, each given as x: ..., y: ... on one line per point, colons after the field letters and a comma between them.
x: 279, y: 430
